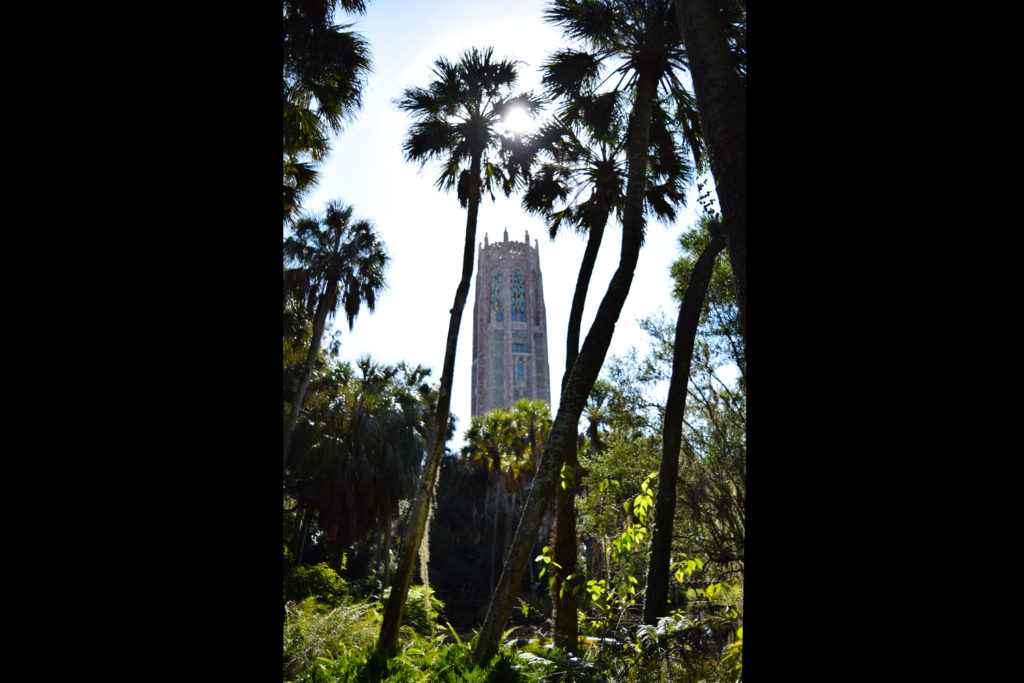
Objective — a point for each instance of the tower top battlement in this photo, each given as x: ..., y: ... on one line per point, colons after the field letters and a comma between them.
x: 506, y: 247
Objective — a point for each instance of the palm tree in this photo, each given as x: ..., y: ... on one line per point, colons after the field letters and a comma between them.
x: 455, y: 123
x: 585, y: 150
x: 333, y: 261
x: 642, y: 38
x: 582, y: 178
x: 325, y: 66
x: 491, y: 444
x: 718, y: 74
x: 360, y: 452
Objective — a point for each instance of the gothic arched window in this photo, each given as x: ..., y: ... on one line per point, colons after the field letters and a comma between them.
x: 497, y: 304
x: 518, y: 307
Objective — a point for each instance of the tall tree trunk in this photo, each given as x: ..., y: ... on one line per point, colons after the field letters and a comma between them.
x: 581, y: 380
x: 563, y: 531
x: 319, y: 322
x: 439, y: 436
x: 564, y: 547
x: 425, y: 544
x: 656, y: 604
x: 579, y: 297
x: 721, y: 103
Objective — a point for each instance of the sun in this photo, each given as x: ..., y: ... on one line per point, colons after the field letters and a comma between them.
x: 517, y: 121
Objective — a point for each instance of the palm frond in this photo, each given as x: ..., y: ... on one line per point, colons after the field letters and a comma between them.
x: 568, y: 73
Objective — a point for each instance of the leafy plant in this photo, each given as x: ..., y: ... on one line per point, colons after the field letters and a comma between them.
x: 733, y: 657
x: 314, y: 631
x: 421, y: 609
x: 317, y: 581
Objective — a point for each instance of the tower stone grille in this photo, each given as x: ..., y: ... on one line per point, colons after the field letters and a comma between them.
x: 510, y: 351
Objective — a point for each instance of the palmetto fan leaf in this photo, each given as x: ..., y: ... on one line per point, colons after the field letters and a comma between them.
x: 568, y: 73
x: 324, y: 70
x: 593, y: 23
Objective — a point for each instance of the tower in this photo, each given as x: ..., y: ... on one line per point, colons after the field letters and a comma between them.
x: 510, y: 352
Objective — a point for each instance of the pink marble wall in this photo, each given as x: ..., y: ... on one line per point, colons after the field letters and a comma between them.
x: 493, y: 381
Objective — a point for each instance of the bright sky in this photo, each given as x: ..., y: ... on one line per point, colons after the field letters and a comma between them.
x: 424, y: 229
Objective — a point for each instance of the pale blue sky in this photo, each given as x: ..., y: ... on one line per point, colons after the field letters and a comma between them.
x: 424, y: 229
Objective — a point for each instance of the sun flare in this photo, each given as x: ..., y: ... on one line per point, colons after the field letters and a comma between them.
x: 517, y: 120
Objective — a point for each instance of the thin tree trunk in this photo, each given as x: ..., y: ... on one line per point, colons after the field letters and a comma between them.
x: 424, y: 489
x: 303, y: 534
x: 721, y: 103
x: 494, y: 534
x: 656, y: 604
x: 579, y: 298
x: 564, y: 545
x: 387, y: 553
x: 581, y: 380
x: 510, y: 503
x: 319, y: 322
x: 300, y: 514
x: 424, y: 553
x: 563, y: 530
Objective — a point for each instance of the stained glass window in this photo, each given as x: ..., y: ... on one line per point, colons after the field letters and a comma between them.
x: 520, y: 342
x: 520, y: 370
x: 497, y: 304
x: 518, y: 307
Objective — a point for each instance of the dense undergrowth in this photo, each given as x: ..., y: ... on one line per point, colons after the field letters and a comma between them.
x: 330, y: 638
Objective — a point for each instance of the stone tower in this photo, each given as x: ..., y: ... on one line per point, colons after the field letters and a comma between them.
x: 510, y: 331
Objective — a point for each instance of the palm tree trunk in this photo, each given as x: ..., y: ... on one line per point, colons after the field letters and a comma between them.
x: 665, y: 505
x: 564, y: 544
x: 438, y: 437
x: 572, y: 344
x: 564, y: 528
x: 721, y: 103
x: 581, y: 380
x: 319, y: 322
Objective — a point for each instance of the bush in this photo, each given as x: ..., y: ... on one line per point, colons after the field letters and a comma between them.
x: 313, y: 630
x: 421, y: 609
x: 318, y: 581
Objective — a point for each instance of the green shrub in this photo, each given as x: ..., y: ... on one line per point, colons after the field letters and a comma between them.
x: 319, y: 581
x: 313, y: 630
x: 421, y: 609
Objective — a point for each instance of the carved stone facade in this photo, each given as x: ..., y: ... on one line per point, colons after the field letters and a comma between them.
x: 510, y: 331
